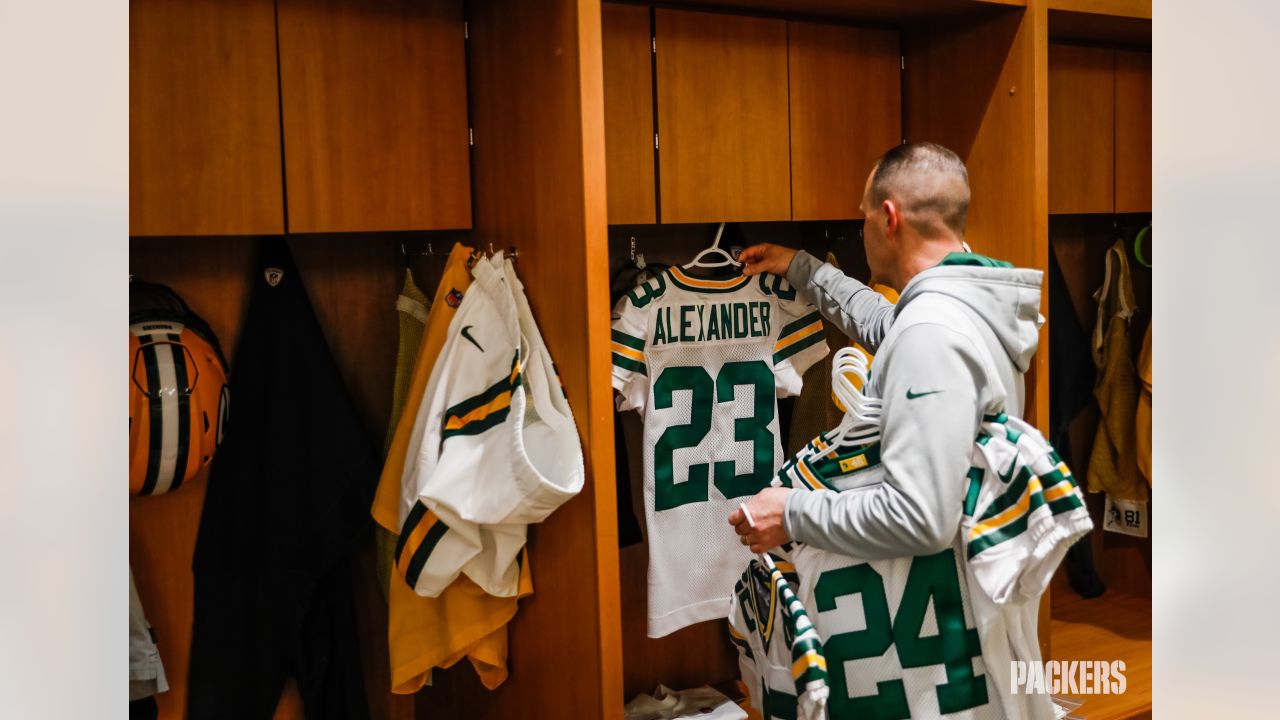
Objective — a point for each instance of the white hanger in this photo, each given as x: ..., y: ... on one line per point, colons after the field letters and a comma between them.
x: 861, y: 422
x: 715, y: 249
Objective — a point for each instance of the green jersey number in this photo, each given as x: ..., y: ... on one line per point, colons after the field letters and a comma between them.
x: 755, y: 374
x: 955, y: 646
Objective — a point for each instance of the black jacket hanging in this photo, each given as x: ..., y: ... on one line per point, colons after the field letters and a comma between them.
x: 288, y: 501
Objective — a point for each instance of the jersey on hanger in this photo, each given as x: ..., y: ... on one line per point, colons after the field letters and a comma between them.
x: 703, y: 361
x: 933, y: 636
x: 463, y: 621
x: 494, y: 446
x: 779, y: 652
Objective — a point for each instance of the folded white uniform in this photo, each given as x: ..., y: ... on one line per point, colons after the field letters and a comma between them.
x: 779, y: 652
x: 933, y: 636
x: 494, y: 444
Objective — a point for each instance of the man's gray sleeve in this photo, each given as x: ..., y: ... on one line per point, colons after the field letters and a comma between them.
x: 932, y: 407
x: 860, y: 312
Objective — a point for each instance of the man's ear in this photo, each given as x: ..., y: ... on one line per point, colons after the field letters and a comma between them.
x: 891, y: 217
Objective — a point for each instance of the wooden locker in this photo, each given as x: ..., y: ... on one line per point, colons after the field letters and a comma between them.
x: 846, y: 111
x: 1133, y: 131
x: 628, y: 113
x: 1081, y: 129
x: 373, y: 96
x: 204, y: 123
x: 722, y: 118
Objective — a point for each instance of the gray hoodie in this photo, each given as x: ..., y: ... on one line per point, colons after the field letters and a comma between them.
x: 936, y: 381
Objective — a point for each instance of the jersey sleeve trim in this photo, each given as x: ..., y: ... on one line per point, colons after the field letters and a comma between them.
x: 418, y: 538
x: 1008, y: 516
x: 798, y: 335
x: 481, y: 412
x: 628, y: 352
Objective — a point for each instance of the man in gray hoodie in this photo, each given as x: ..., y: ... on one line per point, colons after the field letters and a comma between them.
x: 954, y: 348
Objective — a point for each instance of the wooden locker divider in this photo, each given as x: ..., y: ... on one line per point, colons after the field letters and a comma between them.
x: 374, y: 117
x: 845, y: 105
x: 536, y: 90
x: 722, y: 117
x: 204, y: 121
x: 977, y: 85
x: 628, y: 116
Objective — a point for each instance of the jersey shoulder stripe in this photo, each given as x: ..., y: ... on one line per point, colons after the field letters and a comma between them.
x: 480, y: 412
x: 797, y: 336
x: 628, y: 352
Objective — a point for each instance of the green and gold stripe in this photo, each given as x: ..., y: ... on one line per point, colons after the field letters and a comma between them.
x: 628, y: 352
x: 419, y: 536
x: 481, y: 412
x: 798, y: 335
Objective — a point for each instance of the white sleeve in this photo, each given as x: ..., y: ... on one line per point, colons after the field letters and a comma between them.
x: 801, y: 340
x: 629, y: 335
x: 459, y: 448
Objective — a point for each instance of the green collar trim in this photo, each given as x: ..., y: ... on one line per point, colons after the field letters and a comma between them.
x: 973, y: 259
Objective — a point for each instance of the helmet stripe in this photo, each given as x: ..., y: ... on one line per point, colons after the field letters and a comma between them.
x: 156, y: 415
x: 168, y: 415
x: 182, y: 383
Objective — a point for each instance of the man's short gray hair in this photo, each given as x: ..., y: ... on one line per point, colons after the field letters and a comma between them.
x: 928, y: 182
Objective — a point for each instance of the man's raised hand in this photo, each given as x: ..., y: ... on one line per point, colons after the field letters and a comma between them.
x: 766, y: 257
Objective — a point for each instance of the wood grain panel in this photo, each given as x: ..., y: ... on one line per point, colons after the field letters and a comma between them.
x: 1133, y: 131
x: 1122, y: 8
x: 1113, y: 30
x: 877, y: 10
x: 352, y: 283
x: 628, y: 113
x: 537, y: 94
x: 722, y: 118
x: 1081, y: 130
x: 375, y: 122
x: 846, y: 111
x: 204, y: 125
x: 977, y: 86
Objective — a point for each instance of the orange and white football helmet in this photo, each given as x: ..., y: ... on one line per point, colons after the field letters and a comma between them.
x: 178, y: 397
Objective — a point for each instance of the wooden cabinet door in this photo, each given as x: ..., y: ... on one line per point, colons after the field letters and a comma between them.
x: 722, y: 118
x: 204, y: 123
x: 373, y: 94
x: 1081, y: 129
x: 846, y: 111
x: 1133, y: 131
x: 628, y: 113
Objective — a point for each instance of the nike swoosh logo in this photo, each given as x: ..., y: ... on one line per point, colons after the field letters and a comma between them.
x: 466, y: 333
x: 913, y: 396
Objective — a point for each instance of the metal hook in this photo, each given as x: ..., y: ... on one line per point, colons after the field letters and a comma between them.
x: 633, y: 248
x: 514, y: 253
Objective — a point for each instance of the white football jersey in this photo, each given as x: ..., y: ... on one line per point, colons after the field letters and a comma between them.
x: 494, y: 444
x: 703, y: 361
x: 933, y: 636
x: 779, y: 652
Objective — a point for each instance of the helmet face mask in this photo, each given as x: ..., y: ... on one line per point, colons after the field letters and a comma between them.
x: 178, y: 397
x: 162, y: 391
